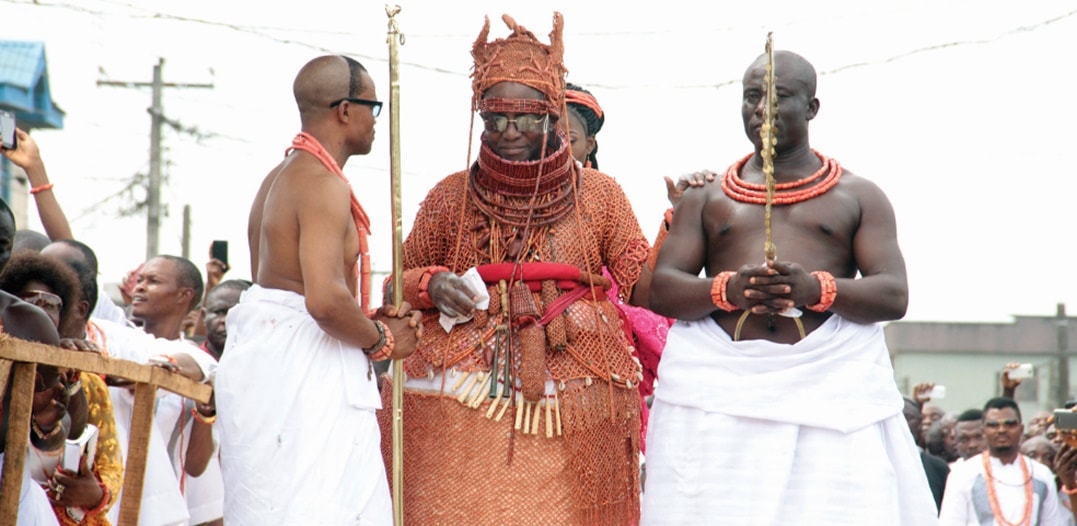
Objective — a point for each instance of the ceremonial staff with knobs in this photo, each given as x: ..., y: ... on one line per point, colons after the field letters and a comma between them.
x: 769, y: 141
x: 396, y: 39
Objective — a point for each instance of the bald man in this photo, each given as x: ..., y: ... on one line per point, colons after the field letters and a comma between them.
x: 777, y: 403
x: 295, y: 388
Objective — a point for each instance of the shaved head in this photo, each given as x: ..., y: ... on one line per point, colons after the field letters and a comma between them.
x: 791, y: 66
x: 324, y: 80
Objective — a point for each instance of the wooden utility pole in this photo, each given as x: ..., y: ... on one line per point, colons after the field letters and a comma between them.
x: 1062, y: 388
x: 153, y: 186
x: 186, y: 232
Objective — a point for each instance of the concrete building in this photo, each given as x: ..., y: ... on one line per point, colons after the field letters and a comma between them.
x: 968, y: 359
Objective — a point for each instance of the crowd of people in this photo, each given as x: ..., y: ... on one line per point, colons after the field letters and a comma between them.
x: 163, y: 318
x: 989, y: 463
x: 551, y: 349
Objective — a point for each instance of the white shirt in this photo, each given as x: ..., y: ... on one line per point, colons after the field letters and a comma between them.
x: 105, y: 309
x: 966, y: 501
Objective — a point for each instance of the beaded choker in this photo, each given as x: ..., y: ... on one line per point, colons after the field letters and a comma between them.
x: 784, y: 193
x: 501, y: 188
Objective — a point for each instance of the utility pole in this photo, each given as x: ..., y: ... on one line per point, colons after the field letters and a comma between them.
x: 186, y: 232
x: 1062, y: 390
x: 153, y: 186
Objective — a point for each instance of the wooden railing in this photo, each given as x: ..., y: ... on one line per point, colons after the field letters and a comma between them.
x: 20, y: 359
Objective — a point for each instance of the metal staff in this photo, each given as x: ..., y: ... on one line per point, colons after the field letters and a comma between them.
x: 766, y: 133
x: 767, y: 152
x: 395, y: 40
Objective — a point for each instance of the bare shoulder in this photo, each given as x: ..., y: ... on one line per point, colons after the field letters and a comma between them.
x: 301, y: 175
x: 866, y: 191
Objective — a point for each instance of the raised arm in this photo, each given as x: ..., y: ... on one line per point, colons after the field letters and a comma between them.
x: 27, y: 156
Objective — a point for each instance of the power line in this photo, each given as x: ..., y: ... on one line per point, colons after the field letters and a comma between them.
x: 264, y: 32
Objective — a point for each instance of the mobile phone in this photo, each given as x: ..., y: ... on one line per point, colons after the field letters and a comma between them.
x: 83, y: 446
x: 220, y: 251
x: 7, y: 130
x: 1065, y: 419
x: 937, y: 392
x: 1021, y: 372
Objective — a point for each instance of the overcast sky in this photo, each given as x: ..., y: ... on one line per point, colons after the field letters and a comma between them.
x: 959, y: 110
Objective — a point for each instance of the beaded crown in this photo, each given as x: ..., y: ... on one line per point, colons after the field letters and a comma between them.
x: 520, y: 57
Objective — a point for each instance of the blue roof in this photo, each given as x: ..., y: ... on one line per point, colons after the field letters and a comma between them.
x: 24, y: 85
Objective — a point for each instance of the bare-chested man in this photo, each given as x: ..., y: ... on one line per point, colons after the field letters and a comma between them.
x: 295, y: 389
x: 775, y: 428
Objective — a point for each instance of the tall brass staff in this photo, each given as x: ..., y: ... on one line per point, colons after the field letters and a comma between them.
x: 766, y: 133
x: 396, y: 39
x: 767, y: 152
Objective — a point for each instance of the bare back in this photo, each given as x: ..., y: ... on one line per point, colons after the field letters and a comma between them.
x: 292, y: 212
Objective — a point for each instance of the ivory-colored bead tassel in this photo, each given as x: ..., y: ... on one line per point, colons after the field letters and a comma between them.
x: 481, y: 393
x: 504, y: 405
x: 495, y: 401
x: 460, y: 381
x: 519, y: 413
x: 535, y: 418
x: 468, y: 387
x: 549, y: 420
x: 557, y: 413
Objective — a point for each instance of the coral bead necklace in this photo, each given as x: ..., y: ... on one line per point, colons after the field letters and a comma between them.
x: 784, y: 193
x: 992, y: 495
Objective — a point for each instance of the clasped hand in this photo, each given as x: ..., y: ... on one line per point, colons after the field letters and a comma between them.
x: 451, y: 295
x: 405, y: 324
x: 772, y: 287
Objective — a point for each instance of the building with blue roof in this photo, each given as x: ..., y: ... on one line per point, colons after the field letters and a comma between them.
x: 24, y: 91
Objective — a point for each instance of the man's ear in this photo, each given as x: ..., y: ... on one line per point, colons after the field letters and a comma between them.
x: 813, y: 108
x: 185, y: 296
x: 82, y: 310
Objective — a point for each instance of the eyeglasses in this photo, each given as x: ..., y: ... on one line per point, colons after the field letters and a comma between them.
x: 1009, y: 423
x: 375, y: 105
x: 47, y: 301
x: 526, y: 123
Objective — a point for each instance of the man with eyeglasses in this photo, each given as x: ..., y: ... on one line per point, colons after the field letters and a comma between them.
x: 522, y: 399
x: 295, y: 388
x: 1001, y: 485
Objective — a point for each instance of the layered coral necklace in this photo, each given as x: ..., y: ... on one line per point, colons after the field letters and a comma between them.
x: 992, y: 495
x: 521, y: 199
x: 784, y: 193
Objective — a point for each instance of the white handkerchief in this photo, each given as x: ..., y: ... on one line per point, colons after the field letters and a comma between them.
x: 475, y: 283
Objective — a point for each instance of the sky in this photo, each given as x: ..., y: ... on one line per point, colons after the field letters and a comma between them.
x: 959, y: 110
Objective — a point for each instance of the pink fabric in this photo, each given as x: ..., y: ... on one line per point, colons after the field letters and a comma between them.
x: 647, y: 332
